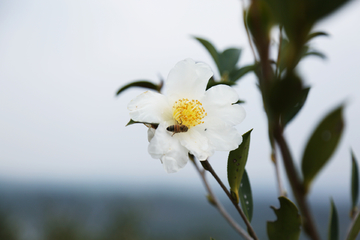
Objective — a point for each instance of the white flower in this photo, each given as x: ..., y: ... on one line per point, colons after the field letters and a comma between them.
x: 209, y: 116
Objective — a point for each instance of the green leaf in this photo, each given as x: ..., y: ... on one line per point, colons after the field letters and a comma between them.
x: 143, y: 84
x: 285, y: 94
x: 245, y: 194
x: 354, y: 181
x: 260, y: 20
x: 211, y: 49
x: 286, y: 117
x: 315, y: 53
x: 333, y: 232
x: 354, y: 228
x: 131, y: 122
x: 238, y: 102
x: 212, y: 238
x: 239, y: 73
x: 228, y: 60
x: 236, y: 165
x: 212, y: 83
x: 290, y: 15
x: 316, y: 34
x: 318, y: 9
x: 321, y: 145
x: 152, y: 125
x: 284, y: 54
x: 299, y: 16
x: 287, y: 225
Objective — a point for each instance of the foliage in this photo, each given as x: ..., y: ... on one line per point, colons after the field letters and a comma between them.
x: 287, y: 225
x: 321, y: 145
x: 236, y: 165
x: 333, y: 233
x: 354, y: 183
x: 7, y: 230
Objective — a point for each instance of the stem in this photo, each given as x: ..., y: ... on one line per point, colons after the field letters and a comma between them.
x: 282, y: 191
x: 247, y: 31
x: 221, y: 209
x: 208, y: 167
x: 277, y: 72
x: 296, y: 185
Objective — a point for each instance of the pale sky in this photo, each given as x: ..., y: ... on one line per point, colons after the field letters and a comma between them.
x: 61, y: 63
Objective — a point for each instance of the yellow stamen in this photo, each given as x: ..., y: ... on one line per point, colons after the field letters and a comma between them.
x: 188, y: 113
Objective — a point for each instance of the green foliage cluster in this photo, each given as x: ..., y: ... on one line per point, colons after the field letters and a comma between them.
x: 284, y: 94
x: 7, y: 229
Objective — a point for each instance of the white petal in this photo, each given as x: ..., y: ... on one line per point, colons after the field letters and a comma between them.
x: 150, y: 107
x: 168, y: 149
x: 173, y: 161
x: 218, y: 104
x: 188, y: 80
x: 221, y: 95
x: 196, y: 143
x: 225, y: 115
x: 223, y: 138
x: 151, y: 133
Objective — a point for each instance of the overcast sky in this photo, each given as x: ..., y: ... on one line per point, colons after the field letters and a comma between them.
x: 61, y: 63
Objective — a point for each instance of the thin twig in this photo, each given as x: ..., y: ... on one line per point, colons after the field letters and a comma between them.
x: 208, y: 167
x: 296, y: 185
x: 281, y: 188
x: 221, y: 209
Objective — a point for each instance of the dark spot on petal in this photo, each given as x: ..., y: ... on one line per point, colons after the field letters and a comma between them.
x: 234, y: 160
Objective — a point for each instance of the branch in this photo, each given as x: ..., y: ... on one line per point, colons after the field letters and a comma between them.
x: 296, y: 185
x: 221, y: 209
x: 282, y: 191
x: 277, y: 71
x: 208, y: 167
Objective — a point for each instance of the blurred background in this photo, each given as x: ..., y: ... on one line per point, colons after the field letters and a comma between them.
x: 70, y: 169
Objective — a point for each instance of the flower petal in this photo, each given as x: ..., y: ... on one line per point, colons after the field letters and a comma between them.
x: 223, y: 138
x: 150, y: 107
x: 218, y: 104
x: 196, y: 143
x: 188, y: 80
x: 151, y: 133
x: 168, y: 149
x: 226, y: 115
x: 221, y: 95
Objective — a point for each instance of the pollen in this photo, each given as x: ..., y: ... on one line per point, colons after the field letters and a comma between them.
x: 188, y: 112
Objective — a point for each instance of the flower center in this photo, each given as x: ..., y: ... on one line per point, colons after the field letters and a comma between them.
x: 188, y: 112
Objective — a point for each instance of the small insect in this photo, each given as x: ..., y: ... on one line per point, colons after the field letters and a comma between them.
x: 177, y: 128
